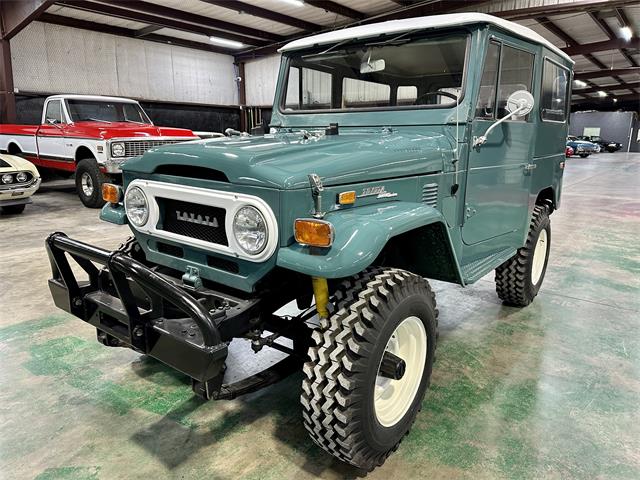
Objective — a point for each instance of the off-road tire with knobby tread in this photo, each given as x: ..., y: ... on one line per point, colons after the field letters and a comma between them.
x: 513, y: 278
x: 90, y: 166
x: 338, y: 388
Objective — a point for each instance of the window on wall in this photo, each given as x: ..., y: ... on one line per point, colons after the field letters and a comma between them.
x: 555, y: 85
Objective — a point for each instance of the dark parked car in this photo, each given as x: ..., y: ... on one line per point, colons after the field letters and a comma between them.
x: 609, y: 146
x: 581, y: 147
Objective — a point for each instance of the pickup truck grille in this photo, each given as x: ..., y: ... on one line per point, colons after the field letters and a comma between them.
x: 193, y: 220
x: 134, y: 148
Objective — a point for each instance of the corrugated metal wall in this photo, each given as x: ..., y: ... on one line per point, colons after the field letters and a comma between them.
x: 56, y: 59
x: 261, y: 76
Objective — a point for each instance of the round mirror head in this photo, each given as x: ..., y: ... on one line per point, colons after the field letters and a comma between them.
x: 520, y: 99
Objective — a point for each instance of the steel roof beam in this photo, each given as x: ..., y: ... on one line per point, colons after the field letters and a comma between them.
x: 246, y: 8
x: 14, y: 16
x: 334, y: 7
x: 613, y: 44
x: 123, y: 13
x: 127, y: 32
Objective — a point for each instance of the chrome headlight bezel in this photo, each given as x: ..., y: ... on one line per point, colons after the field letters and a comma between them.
x: 263, y: 227
x: 118, y: 150
x: 129, y: 206
x: 22, y: 177
x: 7, y: 178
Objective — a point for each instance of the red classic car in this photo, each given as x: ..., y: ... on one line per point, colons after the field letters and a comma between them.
x: 88, y: 135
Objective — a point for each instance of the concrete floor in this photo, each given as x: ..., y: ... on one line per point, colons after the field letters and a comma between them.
x: 549, y: 391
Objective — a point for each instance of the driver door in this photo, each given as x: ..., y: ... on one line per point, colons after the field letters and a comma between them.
x: 50, y: 136
x: 498, y: 179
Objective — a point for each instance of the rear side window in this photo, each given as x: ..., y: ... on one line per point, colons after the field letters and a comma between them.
x: 54, y: 112
x: 555, y: 85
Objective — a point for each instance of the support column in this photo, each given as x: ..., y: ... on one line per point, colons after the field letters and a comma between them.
x: 242, y: 97
x: 7, y: 95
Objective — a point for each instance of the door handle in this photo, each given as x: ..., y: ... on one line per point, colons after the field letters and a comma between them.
x: 529, y: 167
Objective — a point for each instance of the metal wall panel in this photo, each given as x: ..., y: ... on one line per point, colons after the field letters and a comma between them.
x: 260, y: 80
x: 52, y: 58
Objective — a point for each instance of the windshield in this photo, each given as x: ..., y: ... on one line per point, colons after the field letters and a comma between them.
x: 397, y: 73
x: 101, y: 111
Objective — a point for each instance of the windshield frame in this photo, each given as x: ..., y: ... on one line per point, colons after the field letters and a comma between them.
x: 419, y: 35
x: 137, y: 104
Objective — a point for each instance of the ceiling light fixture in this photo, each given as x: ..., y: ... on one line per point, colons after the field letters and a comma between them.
x: 295, y: 3
x: 580, y: 83
x: 626, y: 33
x: 601, y: 93
x: 615, y: 100
x: 223, y: 42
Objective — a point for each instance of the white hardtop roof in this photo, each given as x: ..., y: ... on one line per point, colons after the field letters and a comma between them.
x: 421, y: 23
x: 96, y: 98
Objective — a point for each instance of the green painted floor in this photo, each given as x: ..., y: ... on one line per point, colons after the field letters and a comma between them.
x: 550, y: 391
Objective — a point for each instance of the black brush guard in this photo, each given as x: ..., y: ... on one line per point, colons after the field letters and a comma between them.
x: 127, y: 302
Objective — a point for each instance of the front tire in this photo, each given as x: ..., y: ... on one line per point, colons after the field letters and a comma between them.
x: 89, y: 180
x: 351, y: 407
x: 518, y: 280
x: 584, y: 155
x: 13, y: 209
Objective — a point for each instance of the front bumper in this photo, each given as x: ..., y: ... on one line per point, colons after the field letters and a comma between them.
x: 17, y: 194
x: 134, y: 306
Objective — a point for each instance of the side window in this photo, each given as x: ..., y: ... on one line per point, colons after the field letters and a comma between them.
x: 487, y: 95
x: 54, y: 112
x: 406, y: 95
x: 516, y: 73
x: 555, y: 85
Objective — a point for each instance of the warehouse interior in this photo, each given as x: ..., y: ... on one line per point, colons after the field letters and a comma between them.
x: 551, y: 390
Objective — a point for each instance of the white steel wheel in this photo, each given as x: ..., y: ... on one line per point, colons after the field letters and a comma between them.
x: 539, y: 257
x: 87, y: 184
x: 392, y: 398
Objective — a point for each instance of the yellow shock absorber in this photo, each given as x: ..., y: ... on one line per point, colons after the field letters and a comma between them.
x: 321, y: 293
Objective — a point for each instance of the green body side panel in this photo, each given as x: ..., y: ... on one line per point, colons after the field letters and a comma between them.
x: 360, y: 236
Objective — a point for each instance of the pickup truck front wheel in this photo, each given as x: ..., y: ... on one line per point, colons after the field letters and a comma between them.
x: 519, y: 278
x: 89, y: 180
x: 370, y: 366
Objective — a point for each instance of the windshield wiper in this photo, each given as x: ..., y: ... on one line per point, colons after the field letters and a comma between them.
x: 95, y: 120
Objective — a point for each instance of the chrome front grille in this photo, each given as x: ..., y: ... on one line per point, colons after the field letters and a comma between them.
x: 430, y: 194
x: 135, y: 148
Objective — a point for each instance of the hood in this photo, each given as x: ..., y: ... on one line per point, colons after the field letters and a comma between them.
x: 12, y: 163
x: 107, y: 131
x: 284, y: 160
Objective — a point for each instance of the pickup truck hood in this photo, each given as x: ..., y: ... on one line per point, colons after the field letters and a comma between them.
x: 284, y: 160
x: 112, y: 130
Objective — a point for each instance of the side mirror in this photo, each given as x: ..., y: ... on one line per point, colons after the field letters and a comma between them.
x: 519, y: 104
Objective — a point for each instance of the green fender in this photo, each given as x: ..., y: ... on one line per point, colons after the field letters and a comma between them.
x: 360, y: 235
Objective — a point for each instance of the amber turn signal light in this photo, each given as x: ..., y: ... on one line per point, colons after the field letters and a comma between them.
x: 347, y: 198
x: 111, y: 193
x: 313, y: 232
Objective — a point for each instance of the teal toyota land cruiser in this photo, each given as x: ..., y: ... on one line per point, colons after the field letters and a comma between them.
x: 422, y: 148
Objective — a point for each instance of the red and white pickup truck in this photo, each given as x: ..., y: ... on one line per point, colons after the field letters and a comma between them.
x: 88, y: 135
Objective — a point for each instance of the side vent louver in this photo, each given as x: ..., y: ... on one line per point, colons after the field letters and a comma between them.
x: 430, y: 194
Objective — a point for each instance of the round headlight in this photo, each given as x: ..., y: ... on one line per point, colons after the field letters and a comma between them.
x: 250, y: 230
x: 136, y: 206
x: 22, y: 177
x: 117, y: 149
x: 7, y: 178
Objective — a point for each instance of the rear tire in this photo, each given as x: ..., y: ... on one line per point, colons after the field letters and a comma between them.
x: 89, y: 180
x: 349, y: 408
x: 518, y: 280
x: 13, y: 209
